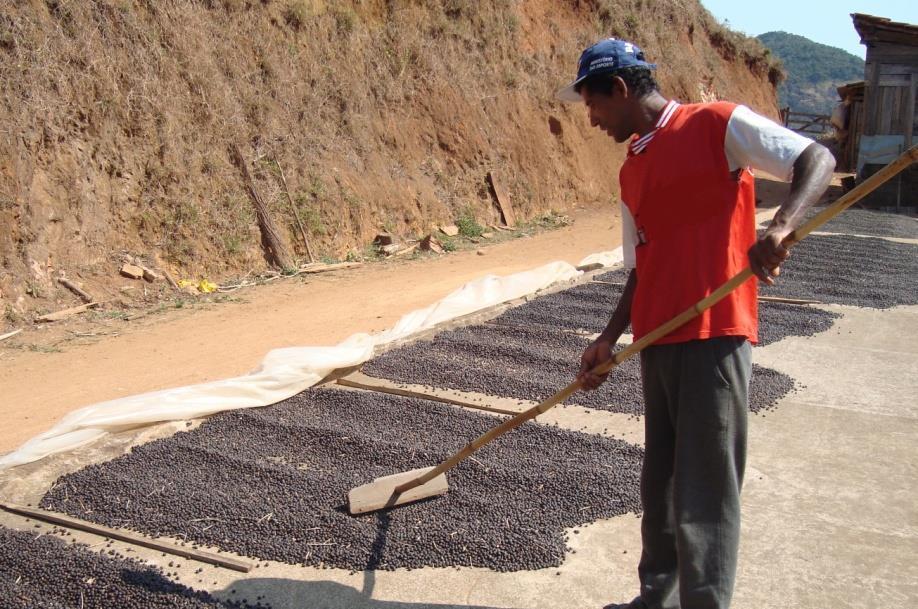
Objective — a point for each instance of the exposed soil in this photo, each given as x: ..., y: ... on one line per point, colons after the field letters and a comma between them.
x: 119, y: 122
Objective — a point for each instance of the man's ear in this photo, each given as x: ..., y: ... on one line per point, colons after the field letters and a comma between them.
x: 620, y: 86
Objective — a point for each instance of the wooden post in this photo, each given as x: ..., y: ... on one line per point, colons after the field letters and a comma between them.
x: 296, y: 214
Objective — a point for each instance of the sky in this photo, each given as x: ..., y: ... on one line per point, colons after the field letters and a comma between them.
x: 824, y: 21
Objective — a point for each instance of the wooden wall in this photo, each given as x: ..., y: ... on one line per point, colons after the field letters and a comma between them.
x: 891, y: 74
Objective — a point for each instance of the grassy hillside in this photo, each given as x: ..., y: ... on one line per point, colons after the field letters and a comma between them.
x: 120, y: 119
x: 813, y: 71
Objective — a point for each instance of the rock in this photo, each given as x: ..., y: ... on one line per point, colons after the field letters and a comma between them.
x: 390, y: 249
x: 132, y: 271
x: 450, y: 230
x: 150, y: 275
x: 383, y: 239
x: 480, y: 252
x: 430, y: 244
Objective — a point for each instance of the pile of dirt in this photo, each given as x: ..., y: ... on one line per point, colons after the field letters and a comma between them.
x: 120, y: 118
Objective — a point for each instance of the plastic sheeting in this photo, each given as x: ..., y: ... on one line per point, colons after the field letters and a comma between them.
x: 613, y: 258
x: 283, y: 372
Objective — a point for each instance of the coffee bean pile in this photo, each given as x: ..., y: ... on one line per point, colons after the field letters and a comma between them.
x: 779, y: 320
x: 532, y: 363
x: 586, y: 308
x: 619, y: 275
x: 767, y: 387
x: 869, y: 222
x: 44, y: 571
x: 272, y: 483
x: 856, y: 271
x: 510, y: 361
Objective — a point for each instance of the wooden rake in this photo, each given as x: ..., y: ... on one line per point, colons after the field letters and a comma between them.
x: 417, y: 484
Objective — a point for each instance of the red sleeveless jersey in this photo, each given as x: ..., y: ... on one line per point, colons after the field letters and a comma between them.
x: 695, y: 222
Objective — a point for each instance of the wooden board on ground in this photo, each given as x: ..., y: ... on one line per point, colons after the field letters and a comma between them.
x: 503, y: 199
x: 64, y: 314
x: 781, y: 299
x: 368, y: 383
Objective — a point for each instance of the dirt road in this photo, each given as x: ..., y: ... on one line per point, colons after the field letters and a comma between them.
x: 183, y: 347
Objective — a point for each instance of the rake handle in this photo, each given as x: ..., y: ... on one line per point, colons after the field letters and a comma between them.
x: 844, y: 202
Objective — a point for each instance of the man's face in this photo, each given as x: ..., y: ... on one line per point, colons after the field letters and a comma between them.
x: 607, y: 113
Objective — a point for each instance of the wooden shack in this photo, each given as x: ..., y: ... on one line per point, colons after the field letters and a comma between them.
x: 848, y: 134
x: 889, y: 112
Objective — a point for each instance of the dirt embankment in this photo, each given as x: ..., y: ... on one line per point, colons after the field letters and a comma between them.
x: 119, y: 118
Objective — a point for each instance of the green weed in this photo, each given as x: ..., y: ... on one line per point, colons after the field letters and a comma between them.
x: 468, y: 225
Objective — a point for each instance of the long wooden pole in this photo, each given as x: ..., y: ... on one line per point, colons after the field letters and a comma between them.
x: 846, y: 201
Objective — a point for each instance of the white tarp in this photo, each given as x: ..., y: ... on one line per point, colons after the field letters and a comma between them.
x: 283, y: 372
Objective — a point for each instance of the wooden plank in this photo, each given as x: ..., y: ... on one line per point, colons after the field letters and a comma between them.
x: 884, y: 111
x: 64, y: 314
x: 367, y: 383
x: 128, y: 537
x: 325, y: 268
x: 536, y: 326
x: 871, y: 76
x: 894, y: 80
x: 910, y: 110
x: 503, y: 199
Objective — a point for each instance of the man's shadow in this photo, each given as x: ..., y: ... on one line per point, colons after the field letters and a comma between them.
x: 293, y: 594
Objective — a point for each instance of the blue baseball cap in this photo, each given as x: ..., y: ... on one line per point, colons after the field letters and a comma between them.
x: 605, y: 57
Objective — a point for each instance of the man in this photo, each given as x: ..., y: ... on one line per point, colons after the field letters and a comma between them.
x: 688, y: 210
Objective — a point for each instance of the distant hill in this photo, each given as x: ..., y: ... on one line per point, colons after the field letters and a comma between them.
x: 813, y: 71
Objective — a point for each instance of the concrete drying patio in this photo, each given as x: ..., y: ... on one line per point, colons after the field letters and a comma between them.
x: 830, y: 516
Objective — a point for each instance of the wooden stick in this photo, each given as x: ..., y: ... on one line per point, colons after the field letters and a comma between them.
x: 865, y: 188
x: 129, y: 537
x: 407, y: 393
x: 84, y: 296
x: 65, y: 313
x: 296, y: 214
x: 10, y: 334
x: 171, y: 280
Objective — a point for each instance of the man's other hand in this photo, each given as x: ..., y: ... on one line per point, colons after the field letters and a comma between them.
x: 767, y: 254
x: 599, y: 351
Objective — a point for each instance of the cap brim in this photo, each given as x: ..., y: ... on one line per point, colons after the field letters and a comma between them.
x: 569, y: 93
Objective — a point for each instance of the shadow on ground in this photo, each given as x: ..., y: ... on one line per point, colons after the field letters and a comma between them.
x: 292, y: 594
x: 770, y: 192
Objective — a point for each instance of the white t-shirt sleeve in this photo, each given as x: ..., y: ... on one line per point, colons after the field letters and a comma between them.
x: 629, y: 237
x: 758, y: 142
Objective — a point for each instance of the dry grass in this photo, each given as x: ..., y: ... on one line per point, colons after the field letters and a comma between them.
x: 118, y: 117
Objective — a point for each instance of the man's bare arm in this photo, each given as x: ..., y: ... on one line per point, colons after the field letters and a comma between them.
x: 812, y: 174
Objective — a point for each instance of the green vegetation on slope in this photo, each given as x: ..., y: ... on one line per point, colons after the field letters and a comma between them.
x: 813, y: 71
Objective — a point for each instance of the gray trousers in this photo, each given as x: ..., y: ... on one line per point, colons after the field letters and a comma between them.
x: 696, y: 401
